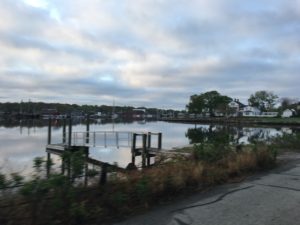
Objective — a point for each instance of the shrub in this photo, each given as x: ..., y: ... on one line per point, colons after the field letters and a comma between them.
x: 210, y: 152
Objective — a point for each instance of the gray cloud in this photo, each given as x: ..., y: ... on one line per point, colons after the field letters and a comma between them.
x: 151, y: 53
x: 20, y: 41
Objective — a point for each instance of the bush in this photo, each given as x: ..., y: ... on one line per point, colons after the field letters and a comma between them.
x: 210, y: 152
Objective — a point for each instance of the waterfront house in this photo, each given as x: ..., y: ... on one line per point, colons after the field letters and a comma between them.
x: 235, y: 107
x: 250, y: 111
x: 181, y: 115
x: 139, y: 113
x: 288, y: 113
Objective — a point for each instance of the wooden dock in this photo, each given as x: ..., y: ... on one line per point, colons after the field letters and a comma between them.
x: 139, y: 143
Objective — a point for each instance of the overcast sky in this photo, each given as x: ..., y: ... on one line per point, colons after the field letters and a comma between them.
x: 153, y: 53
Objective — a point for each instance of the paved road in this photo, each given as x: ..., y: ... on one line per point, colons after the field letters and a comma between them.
x: 265, y: 199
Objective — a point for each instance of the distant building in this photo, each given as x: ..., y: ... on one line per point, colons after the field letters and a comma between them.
x: 250, y: 111
x: 139, y: 113
x: 235, y: 107
x: 288, y: 113
x: 269, y: 114
x: 181, y: 115
x: 49, y: 113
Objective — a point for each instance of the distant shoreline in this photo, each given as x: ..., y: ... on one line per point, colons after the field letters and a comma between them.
x: 294, y: 121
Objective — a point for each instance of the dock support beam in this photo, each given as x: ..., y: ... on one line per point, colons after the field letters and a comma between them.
x: 103, y: 174
x: 144, y: 151
x: 87, y: 137
x: 159, y: 140
x: 133, y: 148
x: 48, y: 164
x: 49, y: 131
x: 64, y: 131
x: 49, y: 142
x: 149, y: 140
x: 70, y: 132
x: 86, y: 167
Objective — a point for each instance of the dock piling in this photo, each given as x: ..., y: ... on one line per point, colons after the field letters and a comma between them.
x: 103, y: 174
x: 49, y: 131
x: 70, y: 132
x: 144, y: 150
x: 64, y: 131
x: 87, y: 137
x: 149, y: 140
x: 159, y: 140
x: 49, y: 142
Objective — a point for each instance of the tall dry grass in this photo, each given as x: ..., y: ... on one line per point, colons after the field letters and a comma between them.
x: 179, y: 176
x: 136, y: 190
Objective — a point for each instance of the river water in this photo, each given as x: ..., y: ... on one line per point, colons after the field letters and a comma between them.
x: 22, y: 141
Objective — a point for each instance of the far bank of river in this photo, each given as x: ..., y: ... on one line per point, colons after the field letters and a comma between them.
x: 269, y: 121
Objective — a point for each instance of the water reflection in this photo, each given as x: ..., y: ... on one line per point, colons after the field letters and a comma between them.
x: 210, y: 134
x: 33, y: 123
x: 21, y: 141
x: 235, y: 135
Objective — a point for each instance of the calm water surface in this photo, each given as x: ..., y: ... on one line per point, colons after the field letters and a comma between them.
x: 21, y: 141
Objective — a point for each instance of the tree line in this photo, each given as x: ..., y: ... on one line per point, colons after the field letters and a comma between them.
x: 212, y: 101
x: 38, y: 107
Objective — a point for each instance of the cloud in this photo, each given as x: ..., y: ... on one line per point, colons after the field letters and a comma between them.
x: 151, y: 53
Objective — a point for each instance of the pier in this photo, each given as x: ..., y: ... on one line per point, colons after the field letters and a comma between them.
x: 145, y: 145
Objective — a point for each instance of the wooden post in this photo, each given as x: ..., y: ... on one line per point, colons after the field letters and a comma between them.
x: 70, y: 132
x: 86, y: 154
x: 94, y: 138
x: 69, y: 167
x: 117, y: 139
x: 49, y: 132
x: 133, y: 144
x: 144, y: 151
x: 62, y: 166
x: 149, y: 140
x: 148, y: 160
x: 64, y: 131
x: 87, y: 129
x: 133, y: 158
x: 103, y: 175
x: 48, y: 164
x: 159, y: 140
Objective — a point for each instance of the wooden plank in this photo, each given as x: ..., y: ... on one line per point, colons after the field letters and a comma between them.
x: 60, y: 147
x: 54, y: 151
x: 99, y: 163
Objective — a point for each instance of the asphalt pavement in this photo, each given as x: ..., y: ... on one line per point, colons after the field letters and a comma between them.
x: 271, y: 198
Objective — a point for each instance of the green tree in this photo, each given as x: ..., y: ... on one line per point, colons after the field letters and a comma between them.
x: 208, y: 102
x: 287, y: 103
x: 263, y: 100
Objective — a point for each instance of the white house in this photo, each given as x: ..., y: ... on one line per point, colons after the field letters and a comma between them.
x: 235, y: 107
x: 269, y: 114
x: 250, y: 111
x: 287, y: 113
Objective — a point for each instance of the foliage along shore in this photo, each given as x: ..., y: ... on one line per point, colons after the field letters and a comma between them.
x: 57, y: 199
x: 273, y: 121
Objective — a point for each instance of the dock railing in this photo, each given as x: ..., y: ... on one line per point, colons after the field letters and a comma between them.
x: 102, y: 138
